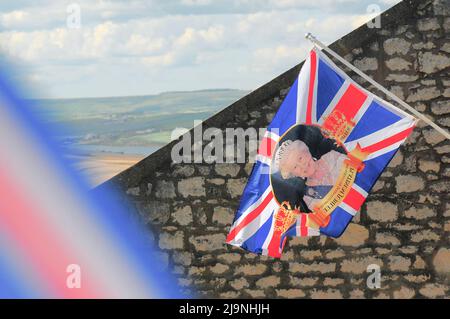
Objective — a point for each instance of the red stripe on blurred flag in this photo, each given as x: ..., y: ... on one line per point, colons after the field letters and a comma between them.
x: 25, y: 224
x: 312, y: 79
x: 273, y: 250
x: 267, y: 146
x: 250, y: 217
x: 389, y: 141
x: 354, y: 199
x: 303, y: 228
x: 350, y: 103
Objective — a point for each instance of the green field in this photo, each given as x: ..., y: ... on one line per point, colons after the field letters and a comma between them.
x: 134, y: 120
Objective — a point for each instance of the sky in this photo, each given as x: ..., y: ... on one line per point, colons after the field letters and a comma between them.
x: 97, y: 48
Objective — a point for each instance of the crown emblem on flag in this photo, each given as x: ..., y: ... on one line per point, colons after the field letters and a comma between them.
x: 338, y: 126
x: 285, y: 217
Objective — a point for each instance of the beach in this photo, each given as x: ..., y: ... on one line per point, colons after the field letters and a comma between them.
x: 99, y: 167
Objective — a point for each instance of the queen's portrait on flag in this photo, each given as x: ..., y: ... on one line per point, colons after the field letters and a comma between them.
x: 308, y: 161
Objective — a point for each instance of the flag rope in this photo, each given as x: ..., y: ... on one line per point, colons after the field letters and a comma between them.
x: 421, y: 116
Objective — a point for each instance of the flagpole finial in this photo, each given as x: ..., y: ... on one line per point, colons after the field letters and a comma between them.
x: 309, y: 36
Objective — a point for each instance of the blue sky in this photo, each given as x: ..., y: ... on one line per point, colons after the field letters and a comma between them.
x: 146, y: 47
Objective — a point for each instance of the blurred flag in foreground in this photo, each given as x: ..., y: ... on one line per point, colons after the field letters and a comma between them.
x: 57, y: 239
x: 324, y: 150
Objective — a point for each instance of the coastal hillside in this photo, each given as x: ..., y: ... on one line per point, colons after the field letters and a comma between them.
x: 104, y: 136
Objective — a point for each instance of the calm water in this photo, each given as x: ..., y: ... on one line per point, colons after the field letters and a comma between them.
x: 126, y: 150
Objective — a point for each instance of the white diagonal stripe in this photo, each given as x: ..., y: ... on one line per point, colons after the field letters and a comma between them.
x: 385, y: 150
x: 251, y: 228
x: 266, y: 244
x: 251, y: 208
x: 313, y: 232
x: 263, y: 159
x: 363, y: 109
x: 334, y: 101
x: 387, y: 105
x: 359, y: 190
x: 272, y: 135
x: 381, y: 134
x: 348, y: 209
x: 314, y: 97
x: 302, y: 90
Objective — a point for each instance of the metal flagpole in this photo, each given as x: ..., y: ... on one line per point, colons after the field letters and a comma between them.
x: 313, y: 39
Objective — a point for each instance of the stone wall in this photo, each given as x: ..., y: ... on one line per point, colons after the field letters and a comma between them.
x: 404, y: 225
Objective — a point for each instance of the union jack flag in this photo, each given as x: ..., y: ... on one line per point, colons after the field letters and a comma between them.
x: 321, y: 90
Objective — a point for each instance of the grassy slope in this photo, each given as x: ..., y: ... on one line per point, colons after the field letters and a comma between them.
x: 134, y: 120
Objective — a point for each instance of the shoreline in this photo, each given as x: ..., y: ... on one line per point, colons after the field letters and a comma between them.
x: 99, y: 167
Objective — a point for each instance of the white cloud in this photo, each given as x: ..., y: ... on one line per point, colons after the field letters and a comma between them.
x: 390, y: 2
x: 229, y: 49
x: 359, y: 20
x: 309, y: 3
x: 280, y: 54
x: 159, y: 60
x: 188, y: 37
x: 13, y: 19
x: 143, y: 45
x: 196, y: 2
x: 213, y: 34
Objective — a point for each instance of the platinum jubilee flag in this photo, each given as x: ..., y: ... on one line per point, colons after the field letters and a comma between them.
x: 321, y: 155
